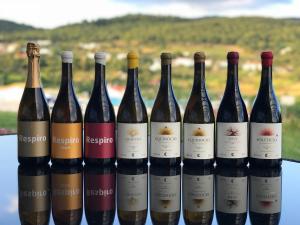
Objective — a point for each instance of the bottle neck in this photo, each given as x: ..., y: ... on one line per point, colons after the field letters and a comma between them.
x: 66, y: 78
x: 33, y: 76
x: 199, y: 77
x: 132, y: 79
x: 165, y: 81
x: 99, y: 76
x: 266, y: 77
x: 232, y: 77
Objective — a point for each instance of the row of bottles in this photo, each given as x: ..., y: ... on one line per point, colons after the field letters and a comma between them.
x: 126, y: 188
x: 126, y: 136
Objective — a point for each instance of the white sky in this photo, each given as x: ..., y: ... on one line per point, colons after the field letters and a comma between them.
x: 53, y: 13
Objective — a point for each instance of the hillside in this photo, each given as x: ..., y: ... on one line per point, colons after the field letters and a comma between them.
x: 8, y: 26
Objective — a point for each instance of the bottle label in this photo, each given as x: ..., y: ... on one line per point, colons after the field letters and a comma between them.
x: 34, y: 193
x: 66, y: 191
x: 265, y: 194
x: 231, y: 194
x: 132, y: 192
x: 66, y: 140
x: 265, y: 140
x: 232, y: 140
x: 99, y: 140
x: 100, y: 192
x: 198, y: 141
x: 33, y: 138
x: 198, y: 193
x: 165, y: 193
x: 132, y: 140
x: 165, y: 139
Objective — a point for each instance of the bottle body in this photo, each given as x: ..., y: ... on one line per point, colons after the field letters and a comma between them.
x: 33, y: 116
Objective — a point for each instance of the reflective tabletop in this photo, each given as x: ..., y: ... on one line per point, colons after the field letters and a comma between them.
x: 75, y: 195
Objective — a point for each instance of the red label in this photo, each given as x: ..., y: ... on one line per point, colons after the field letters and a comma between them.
x: 100, y: 192
x: 99, y: 140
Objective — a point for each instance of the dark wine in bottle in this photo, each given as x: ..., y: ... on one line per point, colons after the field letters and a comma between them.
x: 66, y: 119
x: 232, y: 120
x: 231, y: 195
x: 265, y: 121
x: 66, y: 193
x: 198, y: 195
x: 265, y: 195
x: 165, y: 120
x: 132, y: 119
x: 34, y: 195
x: 165, y: 195
x: 33, y: 115
x: 132, y: 199
x: 99, y: 194
x: 99, y: 120
x: 199, y: 120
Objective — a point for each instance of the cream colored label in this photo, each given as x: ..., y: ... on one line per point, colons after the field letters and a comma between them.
x: 265, y: 140
x: 198, y: 141
x: 165, y: 139
x: 232, y: 140
x: 132, y: 140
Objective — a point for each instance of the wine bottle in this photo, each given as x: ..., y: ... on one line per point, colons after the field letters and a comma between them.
x: 231, y: 195
x: 165, y: 120
x: 66, y: 193
x: 99, y: 120
x: 265, y: 121
x: 265, y: 195
x: 199, y: 120
x: 33, y: 115
x: 232, y: 120
x: 99, y: 194
x: 198, y: 195
x: 132, y: 192
x: 165, y: 195
x: 66, y: 119
x: 132, y: 120
x: 34, y: 194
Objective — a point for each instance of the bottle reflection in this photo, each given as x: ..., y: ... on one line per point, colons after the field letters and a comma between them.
x: 99, y: 194
x: 231, y: 195
x: 66, y: 186
x: 165, y: 195
x: 34, y: 195
x: 198, y: 195
x: 132, y: 201
x: 265, y: 196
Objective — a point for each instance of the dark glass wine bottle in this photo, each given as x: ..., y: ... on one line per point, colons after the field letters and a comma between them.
x: 232, y: 121
x: 165, y: 195
x: 165, y: 120
x: 265, y: 121
x: 33, y: 115
x: 66, y: 119
x: 99, y: 120
x: 231, y: 195
x: 99, y: 194
x: 199, y: 120
x: 265, y: 195
x: 34, y: 194
x: 132, y: 120
x: 132, y: 194
x: 66, y: 194
x: 198, y: 195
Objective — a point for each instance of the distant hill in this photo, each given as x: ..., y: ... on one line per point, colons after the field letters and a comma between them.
x: 8, y: 26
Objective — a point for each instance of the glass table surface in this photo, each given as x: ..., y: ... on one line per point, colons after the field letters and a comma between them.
x: 154, y: 193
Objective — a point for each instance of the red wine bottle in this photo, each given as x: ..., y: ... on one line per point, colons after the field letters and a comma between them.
x: 99, y: 120
x: 199, y: 120
x: 265, y: 121
x: 232, y: 120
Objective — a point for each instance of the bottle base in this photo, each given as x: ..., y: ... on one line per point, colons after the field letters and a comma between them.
x: 132, y: 162
x: 265, y: 163
x: 199, y: 162
x: 34, y: 161
x: 100, y: 162
x: 238, y: 162
x: 67, y: 162
x: 165, y: 161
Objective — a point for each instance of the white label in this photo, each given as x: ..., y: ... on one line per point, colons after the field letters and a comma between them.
x: 132, y: 192
x: 198, y: 141
x: 132, y: 140
x: 232, y: 140
x: 265, y: 142
x: 231, y: 194
x: 198, y: 193
x: 265, y: 194
x: 165, y: 139
x: 165, y: 193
